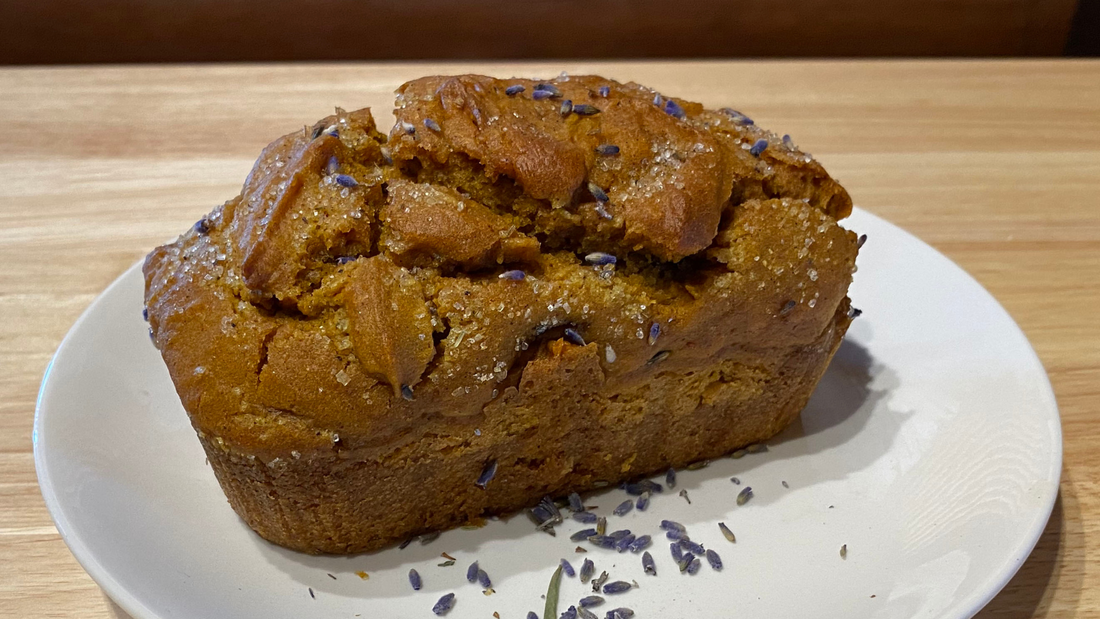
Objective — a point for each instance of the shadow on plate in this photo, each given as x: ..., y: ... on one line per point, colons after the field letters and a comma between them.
x: 840, y: 408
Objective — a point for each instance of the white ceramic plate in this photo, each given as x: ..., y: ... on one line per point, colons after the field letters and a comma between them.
x: 931, y: 448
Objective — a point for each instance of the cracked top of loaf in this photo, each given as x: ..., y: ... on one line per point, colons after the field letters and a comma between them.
x: 363, y: 288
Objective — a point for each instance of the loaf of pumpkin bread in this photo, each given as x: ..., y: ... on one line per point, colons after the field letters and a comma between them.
x: 527, y: 289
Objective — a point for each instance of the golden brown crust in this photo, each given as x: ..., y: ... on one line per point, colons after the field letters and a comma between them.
x: 339, y: 331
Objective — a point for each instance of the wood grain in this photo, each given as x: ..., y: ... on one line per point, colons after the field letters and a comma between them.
x: 997, y: 164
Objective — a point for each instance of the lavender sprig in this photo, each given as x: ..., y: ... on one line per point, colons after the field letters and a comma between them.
x: 550, y: 610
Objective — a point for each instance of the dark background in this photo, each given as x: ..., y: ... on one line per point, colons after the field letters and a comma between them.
x: 117, y: 31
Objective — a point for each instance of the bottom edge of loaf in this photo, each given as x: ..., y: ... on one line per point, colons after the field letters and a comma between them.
x: 342, y: 503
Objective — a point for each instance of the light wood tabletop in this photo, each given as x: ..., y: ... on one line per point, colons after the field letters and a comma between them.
x: 995, y: 163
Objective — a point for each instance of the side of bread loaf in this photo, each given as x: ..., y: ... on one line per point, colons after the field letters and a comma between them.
x: 576, y: 282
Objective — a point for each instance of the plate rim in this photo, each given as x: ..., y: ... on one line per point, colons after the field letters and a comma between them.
x: 120, y: 595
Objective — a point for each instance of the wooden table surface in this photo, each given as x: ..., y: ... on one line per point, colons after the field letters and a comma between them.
x: 996, y: 164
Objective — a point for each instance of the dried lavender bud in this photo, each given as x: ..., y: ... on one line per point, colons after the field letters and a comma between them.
x: 654, y: 333
x: 567, y: 568
x: 573, y: 337
x: 514, y: 90
x: 657, y: 358
x: 623, y: 544
x: 714, y: 560
x: 541, y: 515
x: 487, y: 474
x: 553, y: 92
x: 648, y: 565
x: 602, y: 541
x: 444, y: 605
x: 727, y: 533
x: 758, y: 147
x: 616, y: 587
x: 414, y: 580
x: 344, y: 180
x: 597, y: 192
x: 587, y: 569
x: 693, y: 567
x: 471, y: 572
x: 643, y: 502
x: 736, y: 116
x: 623, y: 508
x: 685, y: 561
x: 641, y: 544
x: 585, y: 517
x: 676, y: 535
x: 692, y: 547
x: 673, y: 109
x: 643, y: 486
x: 598, y: 258
x: 670, y: 478
x: 575, y: 502
x: 483, y: 580
x: 672, y: 525
x: 582, y: 535
x: 590, y: 601
x: 744, y: 496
